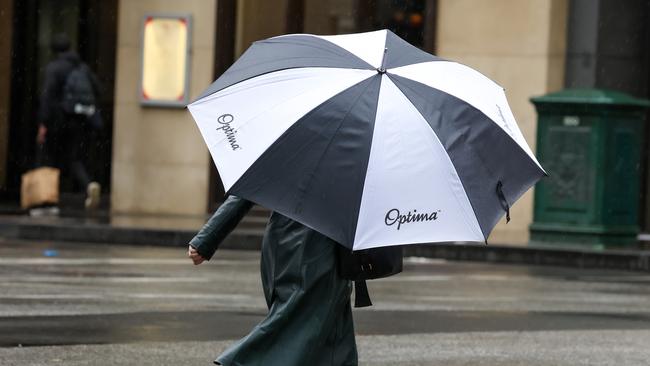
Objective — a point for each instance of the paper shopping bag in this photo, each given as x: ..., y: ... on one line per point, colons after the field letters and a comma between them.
x: 39, y: 186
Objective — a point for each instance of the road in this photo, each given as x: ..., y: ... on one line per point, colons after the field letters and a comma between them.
x: 84, y: 304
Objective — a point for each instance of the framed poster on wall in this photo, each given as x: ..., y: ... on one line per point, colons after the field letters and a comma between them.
x: 165, y: 69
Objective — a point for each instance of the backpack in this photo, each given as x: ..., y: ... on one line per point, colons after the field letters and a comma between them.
x: 78, y: 92
x: 368, y: 264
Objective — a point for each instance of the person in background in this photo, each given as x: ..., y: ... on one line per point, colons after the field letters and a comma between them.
x: 68, y: 106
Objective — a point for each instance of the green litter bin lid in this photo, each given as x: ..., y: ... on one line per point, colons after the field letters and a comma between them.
x: 591, y: 96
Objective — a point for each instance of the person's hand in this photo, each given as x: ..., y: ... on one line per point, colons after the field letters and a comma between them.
x: 40, y: 136
x: 194, y: 255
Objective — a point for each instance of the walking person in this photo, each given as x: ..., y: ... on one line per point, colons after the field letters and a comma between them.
x: 310, y: 316
x: 356, y: 136
x: 67, y: 110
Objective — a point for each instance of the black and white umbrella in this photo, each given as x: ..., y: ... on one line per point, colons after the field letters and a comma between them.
x: 366, y: 139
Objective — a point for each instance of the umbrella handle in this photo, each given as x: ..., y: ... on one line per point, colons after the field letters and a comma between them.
x: 504, y: 202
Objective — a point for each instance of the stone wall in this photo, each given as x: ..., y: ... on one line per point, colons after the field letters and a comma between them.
x: 160, y: 162
x: 520, y: 45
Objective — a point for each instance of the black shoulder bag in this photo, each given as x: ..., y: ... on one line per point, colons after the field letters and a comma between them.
x: 368, y: 264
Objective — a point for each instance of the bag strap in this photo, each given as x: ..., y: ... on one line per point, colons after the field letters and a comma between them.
x: 361, y: 295
x: 504, y: 202
x: 40, y: 155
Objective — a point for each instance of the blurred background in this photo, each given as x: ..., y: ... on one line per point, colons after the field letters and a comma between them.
x: 577, y: 77
x: 150, y: 159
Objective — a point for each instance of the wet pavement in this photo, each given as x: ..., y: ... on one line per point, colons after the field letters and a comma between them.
x: 84, y: 304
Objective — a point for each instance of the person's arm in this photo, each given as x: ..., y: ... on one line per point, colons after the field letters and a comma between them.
x: 48, y: 96
x: 94, y: 80
x: 222, y: 222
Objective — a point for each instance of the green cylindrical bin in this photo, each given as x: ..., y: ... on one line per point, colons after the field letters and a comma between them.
x: 589, y: 141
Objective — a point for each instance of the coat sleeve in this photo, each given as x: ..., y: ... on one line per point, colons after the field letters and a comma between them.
x: 222, y: 222
x: 94, y: 80
x: 48, y: 96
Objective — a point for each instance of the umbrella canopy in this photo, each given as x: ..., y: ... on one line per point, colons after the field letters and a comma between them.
x: 366, y: 139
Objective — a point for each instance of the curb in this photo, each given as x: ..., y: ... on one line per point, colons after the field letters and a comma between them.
x: 246, y: 239
x: 632, y: 260
x: 251, y: 239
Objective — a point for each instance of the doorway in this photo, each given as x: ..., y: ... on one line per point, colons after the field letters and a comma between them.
x: 91, y: 26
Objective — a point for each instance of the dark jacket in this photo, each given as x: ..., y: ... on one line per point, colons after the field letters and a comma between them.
x: 310, y: 319
x: 222, y: 222
x: 51, y: 111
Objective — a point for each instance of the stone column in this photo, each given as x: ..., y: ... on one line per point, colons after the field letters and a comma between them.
x: 160, y: 162
x: 520, y: 45
x: 6, y: 7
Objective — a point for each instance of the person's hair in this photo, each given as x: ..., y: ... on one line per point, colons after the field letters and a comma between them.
x: 60, y: 43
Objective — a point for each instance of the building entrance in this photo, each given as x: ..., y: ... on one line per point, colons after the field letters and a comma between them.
x: 91, y: 26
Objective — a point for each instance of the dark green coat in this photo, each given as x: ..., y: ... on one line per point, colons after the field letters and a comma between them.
x: 310, y: 319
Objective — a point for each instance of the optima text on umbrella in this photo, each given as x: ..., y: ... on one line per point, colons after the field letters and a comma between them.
x: 225, y: 120
x: 395, y: 217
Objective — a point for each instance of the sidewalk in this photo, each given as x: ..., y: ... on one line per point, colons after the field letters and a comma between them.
x: 178, y: 230
x: 125, y: 229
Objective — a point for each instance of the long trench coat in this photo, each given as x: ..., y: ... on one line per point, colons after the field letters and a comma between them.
x: 310, y: 319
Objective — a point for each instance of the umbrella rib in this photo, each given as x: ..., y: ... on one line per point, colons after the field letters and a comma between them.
x: 284, y: 101
x: 342, y: 52
x: 329, y: 143
x: 337, y: 54
x: 205, y: 97
x: 392, y: 76
x: 451, y: 161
